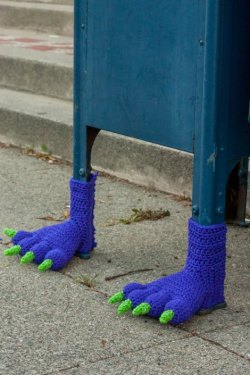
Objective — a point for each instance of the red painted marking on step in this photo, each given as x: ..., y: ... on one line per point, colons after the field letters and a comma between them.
x: 41, y: 47
x: 47, y: 48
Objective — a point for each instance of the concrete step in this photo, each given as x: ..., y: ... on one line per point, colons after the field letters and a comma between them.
x: 36, y: 62
x: 63, y: 2
x: 44, y: 17
x: 33, y: 120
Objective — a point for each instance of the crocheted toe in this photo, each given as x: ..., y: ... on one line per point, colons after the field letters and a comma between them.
x: 132, y: 286
x: 40, y: 250
x: 58, y: 258
x: 21, y: 235
x: 27, y: 243
x: 182, y: 310
x: 138, y: 296
x: 157, y: 302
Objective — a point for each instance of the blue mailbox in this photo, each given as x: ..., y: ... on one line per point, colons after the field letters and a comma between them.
x: 172, y: 72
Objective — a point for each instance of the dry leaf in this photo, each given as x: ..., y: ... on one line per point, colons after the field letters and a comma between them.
x: 49, y: 218
x: 142, y: 215
x: 66, y: 214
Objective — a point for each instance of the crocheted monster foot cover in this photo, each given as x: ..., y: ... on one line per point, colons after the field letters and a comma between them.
x: 53, y: 246
x: 199, y: 287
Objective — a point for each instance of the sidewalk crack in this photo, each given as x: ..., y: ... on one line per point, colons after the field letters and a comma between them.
x: 89, y: 289
x: 136, y: 351
x: 229, y: 326
x: 216, y: 343
x: 224, y: 347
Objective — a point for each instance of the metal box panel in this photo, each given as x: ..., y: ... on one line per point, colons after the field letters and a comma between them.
x: 141, y: 69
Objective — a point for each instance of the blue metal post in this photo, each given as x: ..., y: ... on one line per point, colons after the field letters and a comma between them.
x: 209, y: 179
x: 80, y: 71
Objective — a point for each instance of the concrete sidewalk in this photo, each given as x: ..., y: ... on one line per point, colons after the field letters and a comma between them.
x: 53, y: 323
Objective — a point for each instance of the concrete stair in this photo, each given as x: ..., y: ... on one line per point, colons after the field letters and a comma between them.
x: 38, y: 63
x: 60, y: 2
x: 36, y: 80
x: 44, y: 17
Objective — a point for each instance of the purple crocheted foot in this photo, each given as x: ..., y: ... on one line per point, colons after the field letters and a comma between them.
x: 199, y: 287
x: 54, y: 246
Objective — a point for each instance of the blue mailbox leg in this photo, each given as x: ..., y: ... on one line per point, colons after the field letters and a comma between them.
x: 55, y: 245
x: 83, y: 184
x: 52, y: 247
x: 199, y: 286
x: 83, y: 138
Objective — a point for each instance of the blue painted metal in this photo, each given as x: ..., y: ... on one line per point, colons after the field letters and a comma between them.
x: 80, y: 53
x: 168, y: 72
x: 141, y: 69
x: 222, y: 135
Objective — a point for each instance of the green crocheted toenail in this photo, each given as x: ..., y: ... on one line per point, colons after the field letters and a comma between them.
x: 117, y: 297
x: 166, y: 316
x: 14, y: 250
x: 124, y: 307
x: 45, y: 265
x: 28, y: 257
x: 142, y: 309
x: 10, y: 232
